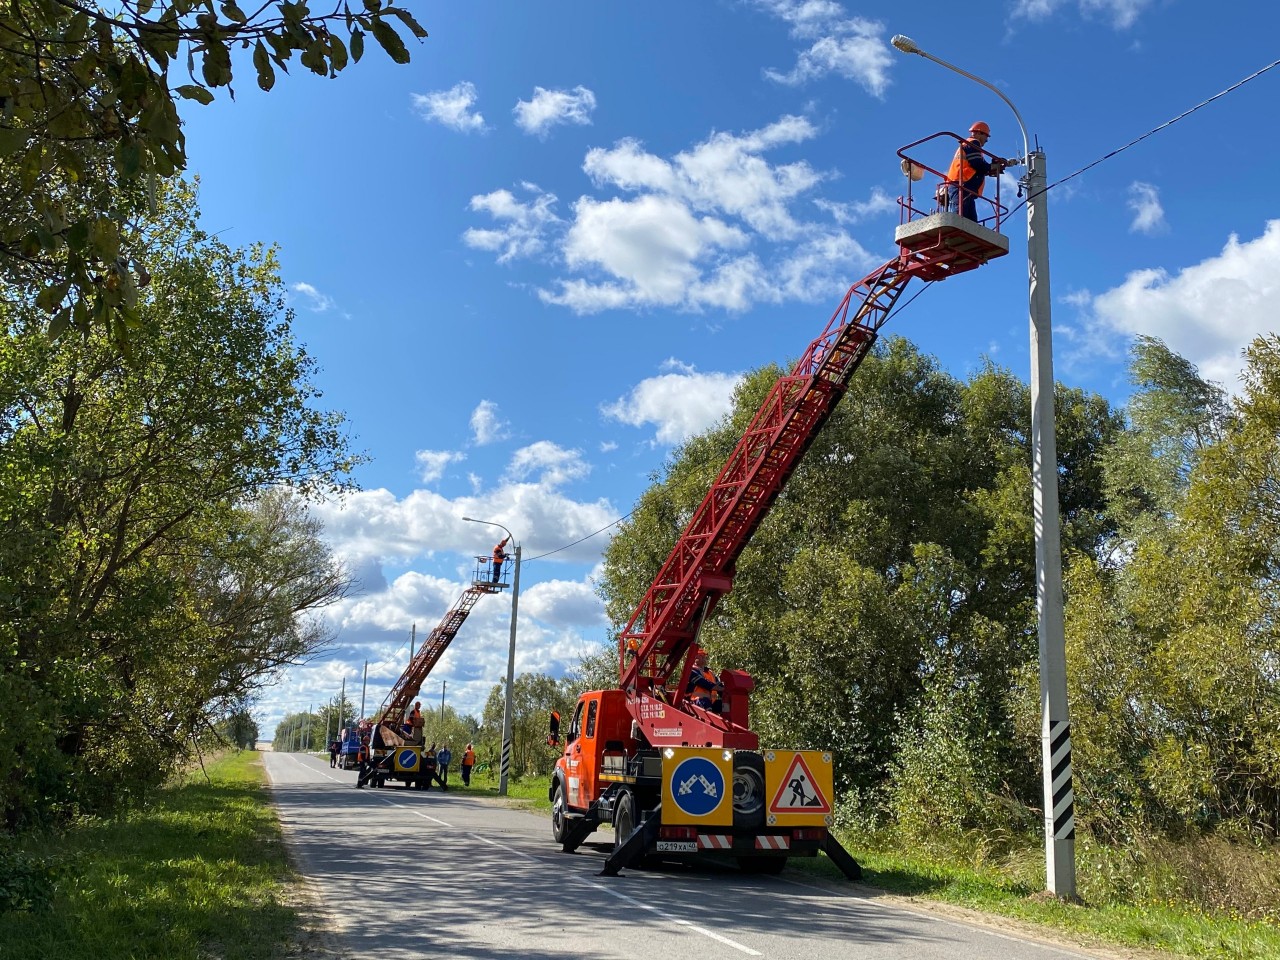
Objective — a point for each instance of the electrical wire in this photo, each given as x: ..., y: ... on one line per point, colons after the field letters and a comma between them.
x: 579, y: 540
x: 1151, y: 132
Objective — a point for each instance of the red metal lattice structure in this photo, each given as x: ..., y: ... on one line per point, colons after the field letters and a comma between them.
x: 654, y: 646
x: 396, y: 705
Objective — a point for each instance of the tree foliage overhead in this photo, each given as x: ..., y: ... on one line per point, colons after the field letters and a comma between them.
x: 89, y: 124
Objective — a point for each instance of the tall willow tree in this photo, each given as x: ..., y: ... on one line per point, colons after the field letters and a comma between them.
x: 155, y: 568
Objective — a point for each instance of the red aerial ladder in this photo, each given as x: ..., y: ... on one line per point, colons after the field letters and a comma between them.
x: 642, y: 756
x: 397, y: 747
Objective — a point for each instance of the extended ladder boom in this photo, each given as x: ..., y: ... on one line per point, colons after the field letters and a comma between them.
x: 433, y: 647
x: 653, y: 648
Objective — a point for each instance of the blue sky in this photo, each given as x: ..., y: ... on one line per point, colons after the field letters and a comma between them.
x: 537, y: 257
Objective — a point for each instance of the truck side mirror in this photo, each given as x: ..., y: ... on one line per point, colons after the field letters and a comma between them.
x: 554, y: 737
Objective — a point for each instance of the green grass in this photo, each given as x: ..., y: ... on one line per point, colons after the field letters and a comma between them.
x: 200, y: 873
x: 1174, y: 928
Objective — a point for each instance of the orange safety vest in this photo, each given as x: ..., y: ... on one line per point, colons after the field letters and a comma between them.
x: 962, y: 171
x: 363, y: 754
x: 468, y: 758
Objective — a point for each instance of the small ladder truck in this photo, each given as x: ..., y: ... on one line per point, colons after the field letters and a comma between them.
x: 397, y: 752
x: 679, y: 781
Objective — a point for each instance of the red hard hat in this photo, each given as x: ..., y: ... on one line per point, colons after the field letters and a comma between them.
x: 980, y: 127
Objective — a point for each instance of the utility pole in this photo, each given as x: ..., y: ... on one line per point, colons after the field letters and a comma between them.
x: 363, y: 688
x: 413, y: 636
x: 342, y: 707
x: 444, y: 685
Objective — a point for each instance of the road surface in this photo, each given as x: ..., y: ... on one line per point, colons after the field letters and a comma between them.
x: 407, y: 874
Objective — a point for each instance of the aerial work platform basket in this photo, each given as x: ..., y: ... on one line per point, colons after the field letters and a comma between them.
x: 935, y: 241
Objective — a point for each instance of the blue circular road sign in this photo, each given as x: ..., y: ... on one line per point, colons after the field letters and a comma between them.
x: 697, y: 786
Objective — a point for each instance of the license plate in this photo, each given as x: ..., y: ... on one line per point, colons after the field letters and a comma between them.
x: 677, y: 846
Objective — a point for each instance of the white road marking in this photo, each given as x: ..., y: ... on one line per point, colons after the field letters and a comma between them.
x: 959, y: 924
x: 638, y: 904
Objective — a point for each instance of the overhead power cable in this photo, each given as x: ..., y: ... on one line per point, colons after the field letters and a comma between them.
x: 579, y: 540
x: 1168, y: 123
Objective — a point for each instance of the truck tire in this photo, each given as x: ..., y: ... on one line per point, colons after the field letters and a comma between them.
x: 568, y: 833
x: 748, y: 790
x: 624, y: 818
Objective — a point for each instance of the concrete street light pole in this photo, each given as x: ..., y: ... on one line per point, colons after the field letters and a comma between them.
x: 1055, y: 726
x: 508, y: 711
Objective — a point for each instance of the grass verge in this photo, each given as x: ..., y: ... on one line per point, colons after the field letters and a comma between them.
x: 1167, y: 927
x: 199, y: 873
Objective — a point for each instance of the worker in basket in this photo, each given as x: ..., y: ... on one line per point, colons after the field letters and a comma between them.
x: 705, y: 689
x: 969, y: 171
x: 499, y: 554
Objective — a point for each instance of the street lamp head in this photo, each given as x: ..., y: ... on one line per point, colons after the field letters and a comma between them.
x: 470, y: 519
x: 905, y: 44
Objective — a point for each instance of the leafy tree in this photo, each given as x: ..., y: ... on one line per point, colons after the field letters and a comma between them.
x: 900, y: 552
x: 535, y: 696
x: 1174, y: 416
x: 89, y: 124
x: 240, y: 729
x: 157, y: 573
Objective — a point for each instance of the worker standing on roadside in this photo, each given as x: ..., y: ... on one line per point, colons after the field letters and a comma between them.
x: 443, y: 756
x: 499, y: 554
x: 362, y: 756
x: 468, y: 761
x: 333, y: 752
x: 969, y: 171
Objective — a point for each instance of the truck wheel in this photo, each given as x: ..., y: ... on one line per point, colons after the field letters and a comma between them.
x: 624, y: 819
x: 764, y: 865
x: 559, y: 825
x: 748, y: 790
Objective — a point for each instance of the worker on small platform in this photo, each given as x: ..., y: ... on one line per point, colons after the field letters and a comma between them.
x: 415, y: 722
x: 499, y: 555
x: 969, y: 171
x: 705, y: 688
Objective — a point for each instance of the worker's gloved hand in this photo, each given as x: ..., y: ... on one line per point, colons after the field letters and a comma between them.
x: 1013, y: 162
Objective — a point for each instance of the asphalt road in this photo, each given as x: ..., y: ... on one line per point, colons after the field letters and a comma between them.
x: 411, y: 874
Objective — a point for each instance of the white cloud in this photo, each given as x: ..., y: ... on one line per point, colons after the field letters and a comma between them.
x: 652, y: 244
x: 432, y: 463
x: 850, y: 47
x: 551, y: 464
x: 486, y: 425
x: 858, y: 210
x: 315, y: 300
x: 551, y: 107
x: 1148, y: 214
x: 522, y: 225
x: 724, y: 174
x: 564, y: 603
x: 1208, y: 312
x: 451, y: 107
x: 680, y: 403
x: 1122, y: 13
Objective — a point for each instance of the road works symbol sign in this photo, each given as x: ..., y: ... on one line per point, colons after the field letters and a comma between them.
x: 801, y: 783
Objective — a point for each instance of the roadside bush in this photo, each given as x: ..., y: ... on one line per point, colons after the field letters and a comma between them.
x: 26, y: 882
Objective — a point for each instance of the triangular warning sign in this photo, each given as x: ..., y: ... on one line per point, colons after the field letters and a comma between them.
x: 799, y: 792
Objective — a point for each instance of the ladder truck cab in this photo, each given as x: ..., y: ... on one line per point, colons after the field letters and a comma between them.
x: 679, y: 779
x: 399, y: 753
